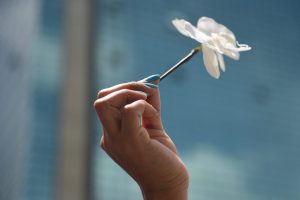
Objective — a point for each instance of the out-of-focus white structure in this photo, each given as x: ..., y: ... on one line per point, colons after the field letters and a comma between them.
x: 17, y: 30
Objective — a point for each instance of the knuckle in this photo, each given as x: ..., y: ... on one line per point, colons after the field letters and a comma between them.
x: 137, y: 86
x: 102, y: 143
x: 141, y: 101
x: 125, y: 90
x: 127, y: 110
x: 99, y: 104
x: 101, y: 93
x: 132, y: 84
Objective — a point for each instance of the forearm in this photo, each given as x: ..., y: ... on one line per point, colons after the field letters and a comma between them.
x: 175, y: 194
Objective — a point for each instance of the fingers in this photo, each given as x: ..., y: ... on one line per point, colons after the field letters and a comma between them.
x: 137, y: 86
x: 134, y: 114
x: 152, y: 91
x: 109, y: 107
x: 111, y: 101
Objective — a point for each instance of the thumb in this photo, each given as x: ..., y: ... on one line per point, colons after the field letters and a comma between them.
x: 140, y: 114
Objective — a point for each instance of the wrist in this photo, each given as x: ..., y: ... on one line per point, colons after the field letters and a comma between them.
x: 175, y: 192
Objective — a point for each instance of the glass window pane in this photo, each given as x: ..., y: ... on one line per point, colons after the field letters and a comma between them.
x: 239, y: 136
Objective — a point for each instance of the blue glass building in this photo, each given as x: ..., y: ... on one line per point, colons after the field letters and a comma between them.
x: 239, y: 136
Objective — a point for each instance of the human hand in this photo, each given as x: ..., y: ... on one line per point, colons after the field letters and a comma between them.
x: 133, y: 136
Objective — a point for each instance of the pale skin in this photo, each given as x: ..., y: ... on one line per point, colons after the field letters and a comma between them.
x: 134, y: 137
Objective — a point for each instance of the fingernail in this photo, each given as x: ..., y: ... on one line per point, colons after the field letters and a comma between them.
x: 142, y: 92
x: 151, y: 85
x: 152, y: 78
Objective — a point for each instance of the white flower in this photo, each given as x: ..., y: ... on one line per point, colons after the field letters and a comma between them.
x: 216, y: 40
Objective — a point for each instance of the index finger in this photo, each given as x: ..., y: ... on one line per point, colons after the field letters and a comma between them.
x: 138, y: 86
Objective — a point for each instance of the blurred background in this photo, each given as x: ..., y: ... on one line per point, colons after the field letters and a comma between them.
x: 239, y: 136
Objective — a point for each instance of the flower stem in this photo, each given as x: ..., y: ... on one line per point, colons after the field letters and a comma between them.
x: 184, y: 60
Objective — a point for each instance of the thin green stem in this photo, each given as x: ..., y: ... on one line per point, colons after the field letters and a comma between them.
x: 181, y: 62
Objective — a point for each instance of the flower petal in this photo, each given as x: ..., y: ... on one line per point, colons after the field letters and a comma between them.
x: 221, y: 61
x: 243, y: 47
x: 208, y: 26
x: 231, y: 52
x: 235, y: 55
x: 210, y: 61
x: 187, y: 29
